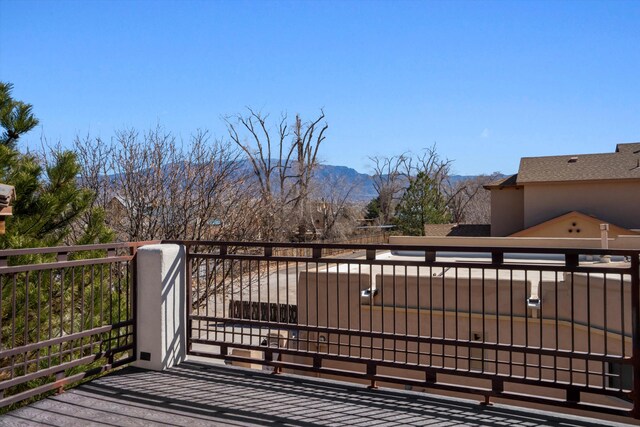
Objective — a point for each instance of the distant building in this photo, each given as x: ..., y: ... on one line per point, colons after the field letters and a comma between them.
x: 602, y: 186
x: 7, y: 195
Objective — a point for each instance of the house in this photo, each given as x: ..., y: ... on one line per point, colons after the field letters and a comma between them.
x: 604, y: 186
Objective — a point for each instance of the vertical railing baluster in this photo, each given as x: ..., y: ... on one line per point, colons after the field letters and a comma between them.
x: 635, y: 332
x: 189, y: 296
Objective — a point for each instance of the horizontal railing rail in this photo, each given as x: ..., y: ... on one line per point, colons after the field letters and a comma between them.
x: 208, y: 244
x: 65, y: 313
x: 559, y: 326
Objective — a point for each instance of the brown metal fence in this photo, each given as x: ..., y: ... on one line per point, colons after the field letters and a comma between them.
x: 66, y: 313
x: 552, y: 326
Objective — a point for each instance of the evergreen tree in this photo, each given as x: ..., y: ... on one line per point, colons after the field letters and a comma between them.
x: 49, y: 200
x: 373, y: 209
x: 421, y: 204
x: 16, y: 117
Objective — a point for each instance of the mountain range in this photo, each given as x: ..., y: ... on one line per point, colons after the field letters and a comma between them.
x: 330, y: 176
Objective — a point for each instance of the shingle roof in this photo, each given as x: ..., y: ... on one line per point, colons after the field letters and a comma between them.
x: 632, y: 147
x: 623, y: 164
x: 507, y: 181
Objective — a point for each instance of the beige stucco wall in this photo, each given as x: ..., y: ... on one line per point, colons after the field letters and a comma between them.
x: 507, y: 210
x: 616, y: 202
x: 461, y: 309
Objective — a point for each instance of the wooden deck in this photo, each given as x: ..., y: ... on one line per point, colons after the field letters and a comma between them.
x: 203, y: 395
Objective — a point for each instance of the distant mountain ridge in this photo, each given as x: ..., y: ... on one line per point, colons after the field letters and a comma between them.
x: 363, y: 191
x: 333, y: 180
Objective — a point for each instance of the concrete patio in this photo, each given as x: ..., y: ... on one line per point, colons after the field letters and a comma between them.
x: 194, y: 394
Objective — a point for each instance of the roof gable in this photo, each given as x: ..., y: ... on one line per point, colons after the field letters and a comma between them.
x: 573, y: 224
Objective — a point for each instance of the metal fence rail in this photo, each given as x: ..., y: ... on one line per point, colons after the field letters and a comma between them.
x: 556, y: 326
x: 66, y: 312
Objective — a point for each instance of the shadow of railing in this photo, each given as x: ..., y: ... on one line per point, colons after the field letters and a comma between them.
x: 194, y: 393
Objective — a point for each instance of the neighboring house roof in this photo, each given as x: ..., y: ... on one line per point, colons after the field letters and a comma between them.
x: 507, y: 181
x: 624, y: 163
x: 633, y: 147
x: 459, y: 230
x: 123, y: 201
x: 7, y: 194
x: 573, y: 224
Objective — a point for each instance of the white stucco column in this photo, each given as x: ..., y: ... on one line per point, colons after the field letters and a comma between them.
x: 161, y: 306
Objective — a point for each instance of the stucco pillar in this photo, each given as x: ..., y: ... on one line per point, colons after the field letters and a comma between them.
x: 160, y: 299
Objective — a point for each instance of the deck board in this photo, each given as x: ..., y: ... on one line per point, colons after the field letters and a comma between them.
x: 194, y: 394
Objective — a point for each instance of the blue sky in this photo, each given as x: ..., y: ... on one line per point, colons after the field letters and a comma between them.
x: 488, y: 82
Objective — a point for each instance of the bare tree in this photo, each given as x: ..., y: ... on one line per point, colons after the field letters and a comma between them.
x: 154, y: 186
x: 282, y: 161
x: 468, y: 201
x: 95, y: 158
x: 393, y: 175
x: 330, y: 214
x: 389, y: 181
x: 429, y: 162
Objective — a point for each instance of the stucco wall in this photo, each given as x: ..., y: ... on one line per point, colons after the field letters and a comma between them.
x: 616, y: 202
x: 507, y: 211
x: 446, y: 307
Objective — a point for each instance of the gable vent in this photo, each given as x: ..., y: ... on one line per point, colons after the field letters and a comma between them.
x: 573, y: 159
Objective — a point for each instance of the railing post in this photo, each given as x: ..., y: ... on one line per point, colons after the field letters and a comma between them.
x: 162, y: 297
x: 571, y: 260
x: 371, y: 254
x: 316, y: 252
x: 371, y: 374
x: 497, y: 258
x: 430, y: 256
x: 635, y: 331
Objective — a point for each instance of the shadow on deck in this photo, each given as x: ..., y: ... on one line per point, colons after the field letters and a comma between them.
x: 198, y: 395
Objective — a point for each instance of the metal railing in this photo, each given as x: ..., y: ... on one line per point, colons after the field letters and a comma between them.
x: 65, y: 313
x: 550, y: 326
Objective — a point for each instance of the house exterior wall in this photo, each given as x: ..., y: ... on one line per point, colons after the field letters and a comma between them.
x: 507, y: 211
x: 617, y: 202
